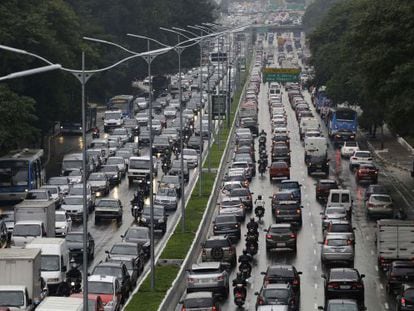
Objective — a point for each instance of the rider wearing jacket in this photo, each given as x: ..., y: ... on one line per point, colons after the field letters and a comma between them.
x: 252, y: 225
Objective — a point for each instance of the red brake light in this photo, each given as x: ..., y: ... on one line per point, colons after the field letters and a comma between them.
x: 266, y: 280
x: 333, y: 285
x: 293, y: 235
x: 326, y: 242
x: 268, y: 236
x: 183, y: 309
x: 260, y: 301
x: 190, y: 280
x: 214, y: 308
x: 403, y: 301
x: 295, y: 282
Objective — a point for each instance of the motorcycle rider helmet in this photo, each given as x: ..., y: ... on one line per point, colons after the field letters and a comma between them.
x: 252, y: 219
x: 244, y: 252
x: 259, y: 197
x: 73, y: 263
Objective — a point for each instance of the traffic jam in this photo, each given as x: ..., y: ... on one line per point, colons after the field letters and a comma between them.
x: 43, y: 234
x: 303, y: 220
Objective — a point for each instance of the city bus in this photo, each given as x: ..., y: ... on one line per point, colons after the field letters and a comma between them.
x: 125, y: 103
x: 342, y: 124
x: 75, y: 127
x: 20, y: 171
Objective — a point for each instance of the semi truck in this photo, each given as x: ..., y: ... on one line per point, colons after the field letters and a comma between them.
x: 20, y: 279
x: 395, y: 241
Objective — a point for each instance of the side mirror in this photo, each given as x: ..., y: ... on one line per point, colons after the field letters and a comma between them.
x: 301, y: 206
x: 29, y: 302
x: 320, y: 308
x: 106, y: 252
x: 323, y: 276
x: 263, y: 273
x: 321, y: 213
x: 122, y: 236
x: 362, y: 276
x: 300, y: 272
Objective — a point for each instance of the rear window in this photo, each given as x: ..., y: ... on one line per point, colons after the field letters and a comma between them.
x: 289, y: 185
x: 409, y: 271
x: 340, y: 228
x: 337, y: 242
x: 345, y: 198
x: 216, y: 243
x: 198, y: 303
x: 335, y: 306
x: 279, y: 165
x: 280, y: 230
x: 335, y: 197
x: 327, y: 185
x: 283, y: 196
x: 239, y: 192
x: 281, y: 272
x: 343, y: 275
x: 205, y: 270
x: 276, y: 293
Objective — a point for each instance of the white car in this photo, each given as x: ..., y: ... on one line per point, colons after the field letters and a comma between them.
x: 63, y: 223
x: 359, y: 157
x: 73, y: 206
x: 191, y: 156
x: 77, y: 189
x: 348, y: 148
x: 118, y: 161
x: 170, y: 112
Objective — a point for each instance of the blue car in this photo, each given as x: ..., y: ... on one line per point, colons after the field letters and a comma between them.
x: 293, y: 187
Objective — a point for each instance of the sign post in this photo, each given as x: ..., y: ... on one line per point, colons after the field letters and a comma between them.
x: 219, y: 107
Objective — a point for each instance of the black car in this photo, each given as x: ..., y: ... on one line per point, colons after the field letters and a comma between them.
x: 245, y: 195
x: 128, y: 250
x: 160, y: 218
x: 281, y: 196
x: 138, y: 235
x: 283, y: 274
x: 176, y: 169
x: 194, y: 143
x: 227, y: 225
x: 323, y: 187
x: 288, y: 212
x: 118, y: 270
x: 405, y: 300
x: 318, y: 165
x: 112, y: 173
x: 74, y: 242
x: 161, y: 144
x: 144, y: 137
x: 344, y: 283
x: 133, y: 270
x: 281, y: 153
x: 399, y: 272
x: 280, y: 294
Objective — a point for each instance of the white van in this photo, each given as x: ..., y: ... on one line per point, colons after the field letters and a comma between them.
x: 54, y: 259
x: 60, y: 304
x: 340, y: 197
x: 316, y: 147
x: 112, y: 119
x: 307, y: 124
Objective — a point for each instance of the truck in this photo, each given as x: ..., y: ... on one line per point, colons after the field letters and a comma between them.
x: 316, y: 155
x: 20, y: 278
x: 395, y: 241
x: 139, y: 168
x: 33, y: 218
x: 61, y: 304
x: 55, y: 260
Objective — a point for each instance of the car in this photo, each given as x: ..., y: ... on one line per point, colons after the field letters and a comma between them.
x: 118, y: 270
x: 172, y: 182
x: 133, y: 270
x: 74, y: 242
x: 281, y: 236
x: 73, y: 206
x: 399, y: 273
x: 208, y: 276
x: 4, y: 235
x: 90, y: 196
x: 63, y: 223
x: 333, y: 213
x: 227, y: 224
x: 323, y: 186
x: 288, y: 212
x: 166, y: 197
x: 118, y: 161
x: 337, y: 248
x: 343, y: 227
x: 176, y: 169
x: 285, y: 274
x: 99, y: 184
x: 340, y: 305
x: 194, y: 143
x: 236, y: 174
x: 62, y: 181
x: 233, y: 206
x: 132, y: 126
x: 284, y: 138
x: 170, y: 112
x: 359, y: 157
x: 293, y: 187
x: 8, y: 218
x: 279, y: 169
x: 191, y: 157
x: 366, y: 172
x: 374, y: 189
x: 139, y: 235
x: 161, y: 144
x: 123, y: 133
x: 55, y: 193
x: 219, y: 248
x: 246, y: 168
x: 156, y: 126
x: 200, y: 300
x: 277, y: 294
x: 244, y: 195
x: 405, y: 300
x: 113, y: 174
x: 281, y: 196
x: 108, y: 209
x: 348, y: 148
x: 160, y: 218
x: 230, y: 185
x: 344, y: 283
x: 280, y: 152
x: 128, y: 250
x: 380, y: 205
x: 108, y: 288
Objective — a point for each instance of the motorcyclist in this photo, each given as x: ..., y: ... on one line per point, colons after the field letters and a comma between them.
x: 263, y: 133
x: 245, y: 257
x: 252, y: 225
x: 259, y: 201
x: 74, y: 272
x: 240, y: 280
x: 262, y: 165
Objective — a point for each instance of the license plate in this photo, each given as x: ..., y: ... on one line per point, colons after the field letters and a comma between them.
x: 345, y: 286
x: 280, y: 244
x: 204, y: 281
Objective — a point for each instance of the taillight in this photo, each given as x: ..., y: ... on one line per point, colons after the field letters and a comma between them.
x: 326, y: 242
x: 403, y: 301
x: 295, y: 282
x: 278, y: 212
x: 260, y: 301
x: 230, y: 251
x: 293, y: 235
x: 333, y: 285
x: 220, y: 278
x: 357, y: 285
x: 183, y: 309
x: 268, y: 236
x: 349, y: 242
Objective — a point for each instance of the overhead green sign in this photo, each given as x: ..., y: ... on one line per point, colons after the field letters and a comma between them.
x: 281, y: 74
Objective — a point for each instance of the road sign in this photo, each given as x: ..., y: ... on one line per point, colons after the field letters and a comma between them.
x: 271, y: 74
x: 219, y: 106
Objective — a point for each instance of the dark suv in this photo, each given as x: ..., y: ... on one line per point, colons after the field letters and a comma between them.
x: 344, y: 283
x: 219, y: 248
x: 323, y: 187
x: 283, y: 274
x: 227, y: 224
x: 405, y: 300
x: 288, y: 212
x: 280, y: 236
x: 400, y: 272
x: 245, y: 195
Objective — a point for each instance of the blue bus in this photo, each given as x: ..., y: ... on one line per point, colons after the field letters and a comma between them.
x: 125, y: 103
x: 342, y: 124
x: 20, y: 171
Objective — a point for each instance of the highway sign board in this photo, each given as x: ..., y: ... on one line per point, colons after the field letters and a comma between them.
x: 219, y: 106
x: 272, y: 74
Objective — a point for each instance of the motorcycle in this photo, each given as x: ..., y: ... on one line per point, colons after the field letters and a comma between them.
x: 262, y: 168
x: 262, y: 149
x: 262, y: 140
x: 165, y: 168
x: 239, y: 294
x: 75, y: 285
x: 259, y: 212
x: 251, y: 247
x: 252, y: 237
x: 245, y: 269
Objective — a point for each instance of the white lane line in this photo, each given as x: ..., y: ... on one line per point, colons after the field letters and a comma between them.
x: 367, y: 237
x: 316, y: 286
x: 315, y: 268
x: 376, y: 268
x: 307, y: 204
x: 381, y: 286
x: 310, y: 213
x: 311, y: 222
x: 372, y: 252
x: 314, y: 251
x: 386, y: 306
x: 313, y: 237
x: 315, y: 306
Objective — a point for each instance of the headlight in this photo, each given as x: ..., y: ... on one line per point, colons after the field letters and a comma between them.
x: 161, y: 220
x: 72, y: 283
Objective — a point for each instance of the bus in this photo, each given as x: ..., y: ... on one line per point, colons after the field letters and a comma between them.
x: 70, y: 127
x: 342, y: 124
x: 125, y: 103
x: 20, y: 171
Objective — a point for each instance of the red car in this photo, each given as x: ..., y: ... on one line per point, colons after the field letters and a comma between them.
x: 279, y: 169
x: 367, y: 172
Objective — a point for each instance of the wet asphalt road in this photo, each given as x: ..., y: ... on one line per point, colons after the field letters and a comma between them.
x: 307, y: 258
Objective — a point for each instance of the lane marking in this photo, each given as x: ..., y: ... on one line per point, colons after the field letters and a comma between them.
x: 372, y: 252
x: 386, y: 305
x: 315, y: 268
x: 316, y: 286
x: 315, y: 306
x: 314, y: 251
x: 376, y: 268
x: 381, y: 286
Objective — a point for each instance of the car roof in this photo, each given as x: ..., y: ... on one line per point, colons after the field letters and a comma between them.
x: 205, y: 265
x: 277, y: 286
x: 199, y: 295
x: 280, y: 225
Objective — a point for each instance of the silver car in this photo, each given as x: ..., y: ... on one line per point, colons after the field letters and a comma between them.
x: 167, y: 197
x: 208, y: 276
x: 337, y: 248
x: 191, y: 156
x: 380, y: 205
x: 333, y: 213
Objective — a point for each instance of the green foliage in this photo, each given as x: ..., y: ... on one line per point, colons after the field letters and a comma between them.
x: 315, y: 12
x: 362, y: 51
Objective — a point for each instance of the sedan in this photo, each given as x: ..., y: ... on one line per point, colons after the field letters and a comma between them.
x: 285, y: 274
x: 244, y: 195
x: 108, y: 209
x: 344, y: 283
x: 233, y: 206
x: 191, y: 156
x: 113, y: 174
x: 139, y: 235
x: 379, y: 205
x: 118, y: 270
x: 367, y: 172
x: 160, y: 218
x: 277, y: 294
x: 340, y: 305
x: 279, y: 170
x: 228, y: 225
x: 99, y: 184
x: 348, y: 148
x: 333, y: 213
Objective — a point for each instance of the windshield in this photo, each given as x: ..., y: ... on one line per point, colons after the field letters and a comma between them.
x: 226, y: 219
x: 167, y: 192
x: 139, y: 164
x: 74, y: 237
x: 281, y: 294
x: 26, y: 230
x: 124, y: 249
x: 115, y: 161
x: 108, y: 270
x: 157, y: 211
x: 288, y: 185
x: 381, y: 198
x: 197, y: 303
x: 60, y: 217
x: 49, y: 263
x: 58, y: 181
x: 345, y: 115
x: 239, y: 192
x: 137, y: 234
x: 11, y: 298
x: 339, y: 306
x: 73, y: 201
x: 78, y: 191
x: 119, y: 131
x: 100, y: 288
x: 108, y: 203
x: 14, y: 173
x: 330, y: 211
x: 97, y: 177
x: 51, y: 190
x: 190, y: 152
x: 112, y: 115
x: 110, y: 168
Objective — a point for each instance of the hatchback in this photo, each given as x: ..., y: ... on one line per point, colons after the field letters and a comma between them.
x: 277, y: 294
x: 337, y: 249
x: 283, y: 274
x: 399, y: 272
x: 280, y: 236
